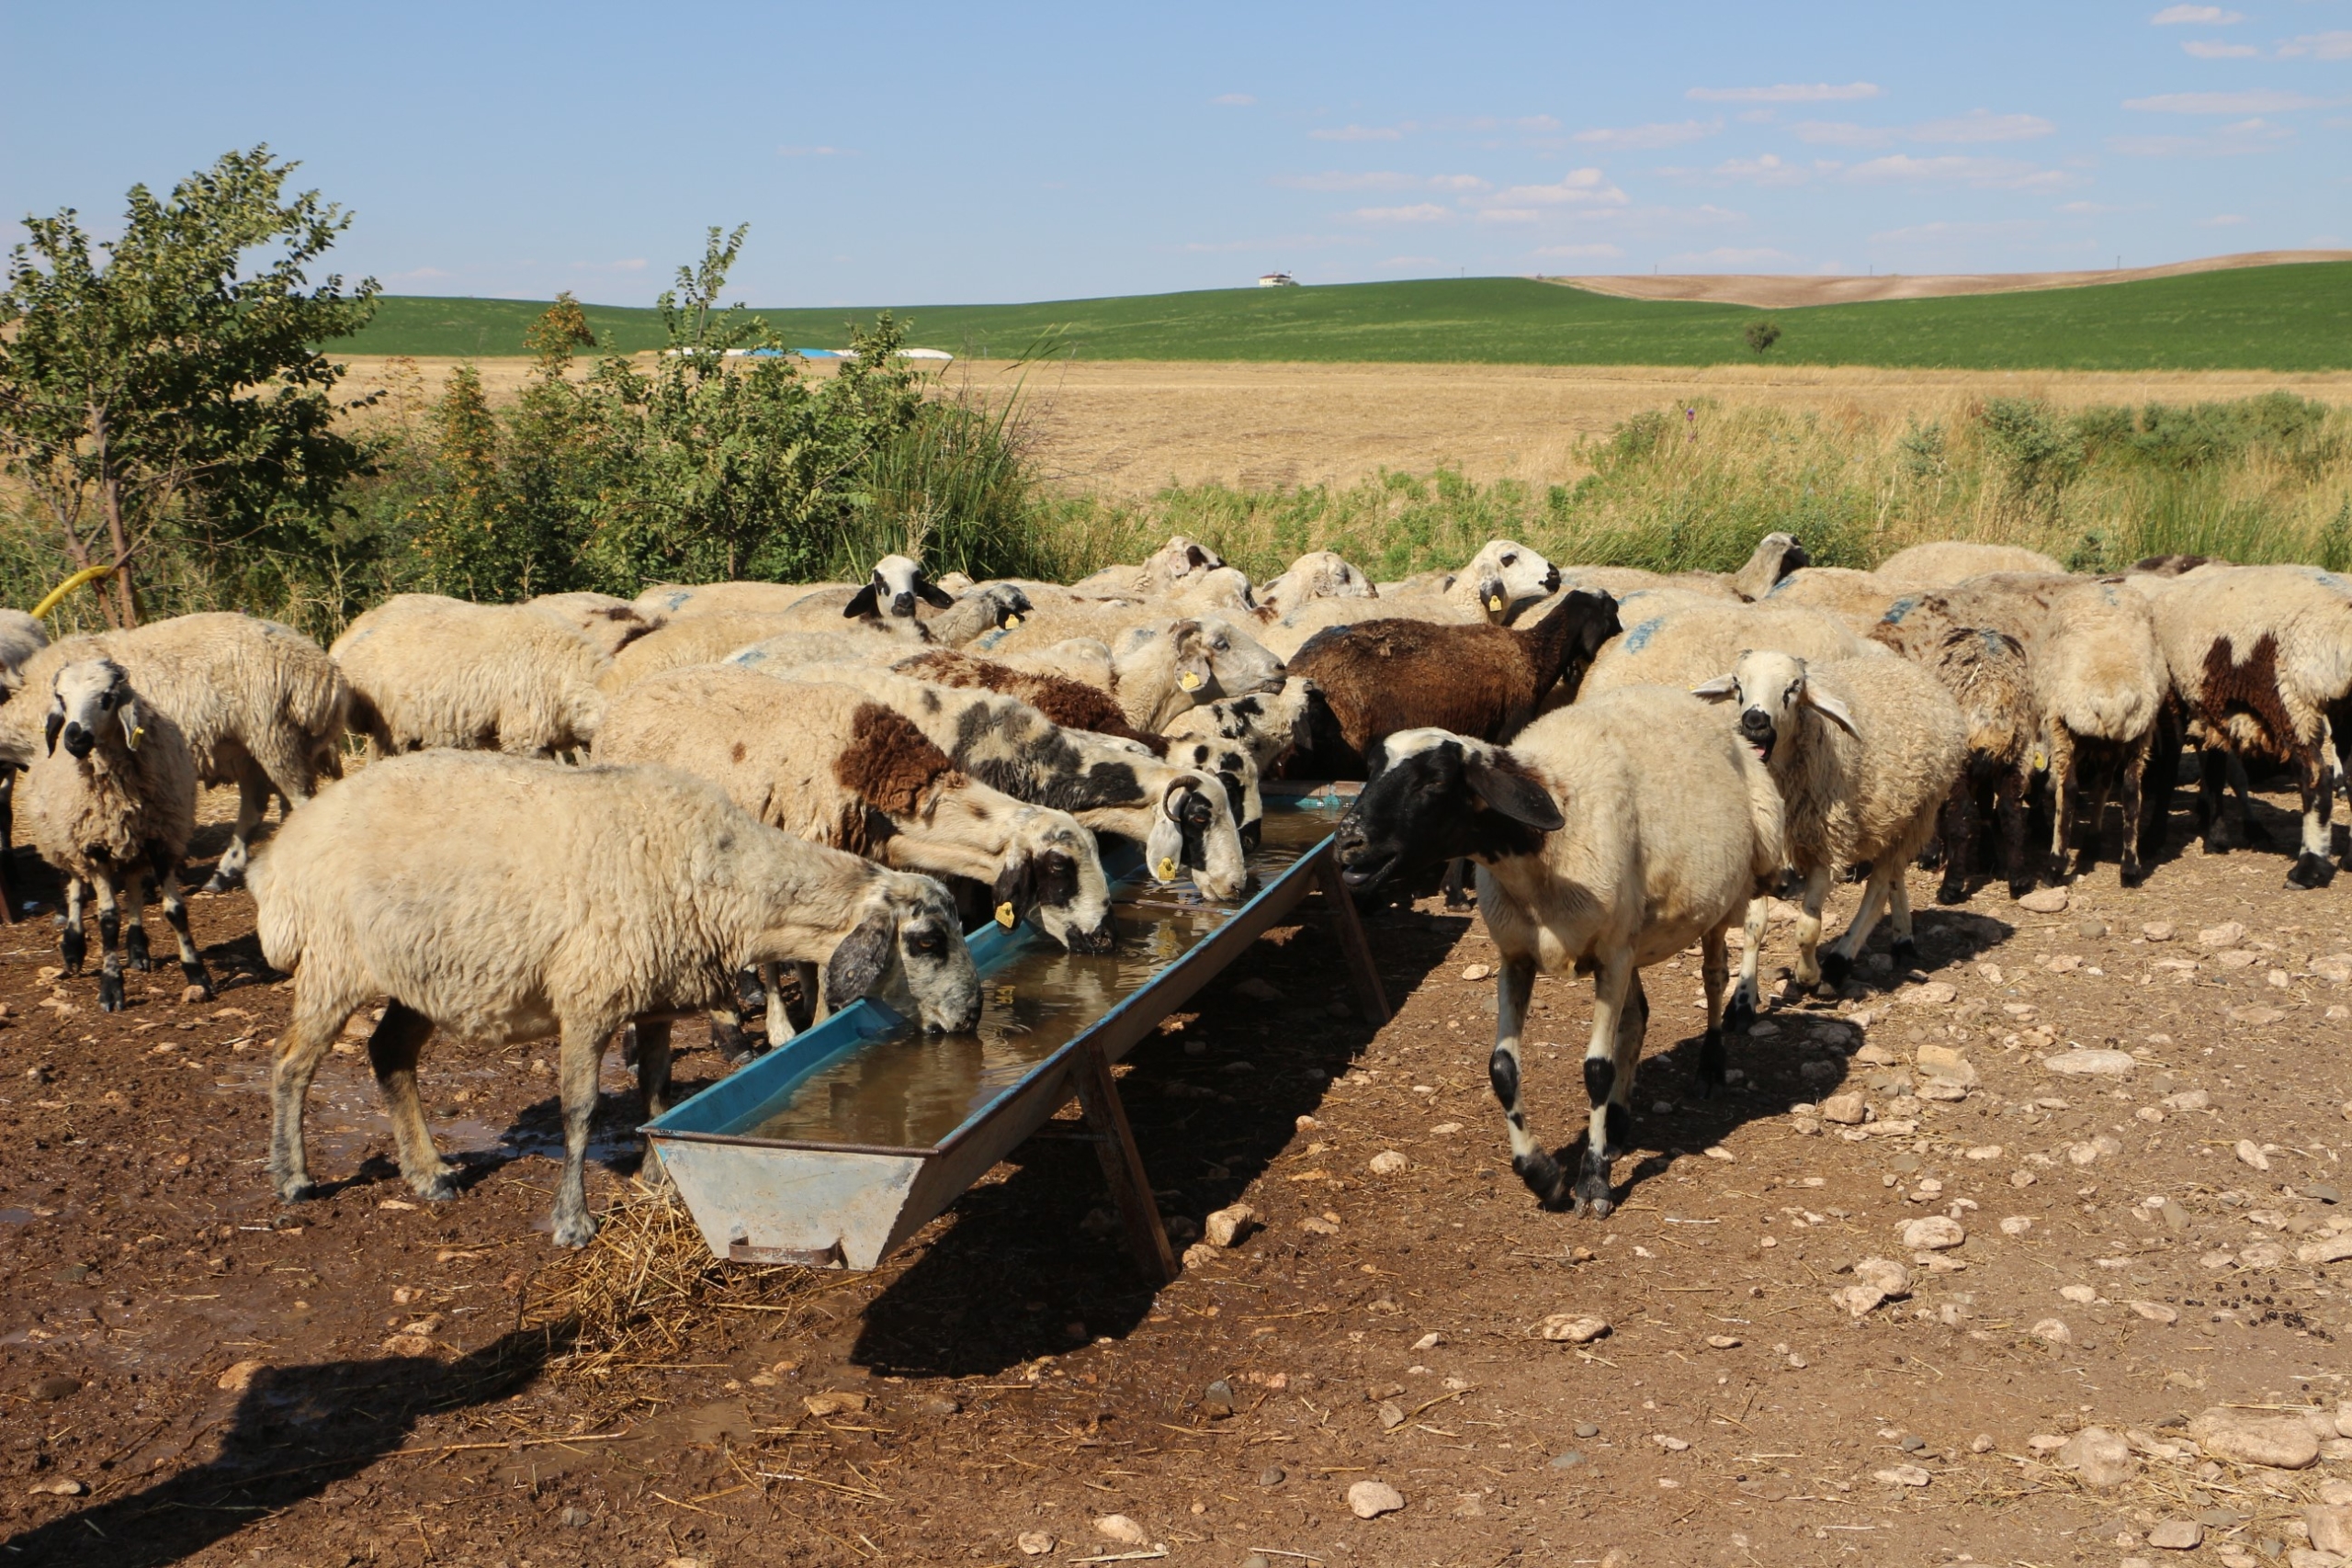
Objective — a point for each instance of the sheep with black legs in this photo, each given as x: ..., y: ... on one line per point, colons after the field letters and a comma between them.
x: 2261, y: 657
x: 111, y: 802
x: 1865, y: 751
x: 1608, y: 837
x: 1986, y: 673
x: 502, y: 900
x: 2101, y: 683
x: 432, y: 671
x: 262, y: 708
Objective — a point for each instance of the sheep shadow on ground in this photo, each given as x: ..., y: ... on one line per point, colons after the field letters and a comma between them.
x: 1029, y: 1261
x: 347, y: 1414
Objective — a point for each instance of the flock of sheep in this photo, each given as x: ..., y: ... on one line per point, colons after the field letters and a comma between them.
x: 840, y: 780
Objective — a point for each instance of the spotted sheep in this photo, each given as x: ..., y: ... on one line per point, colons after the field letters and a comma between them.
x: 1608, y: 837
x: 1158, y: 667
x: 896, y: 580
x: 262, y: 708
x: 111, y: 803
x: 2261, y: 659
x: 1865, y: 751
x: 501, y: 900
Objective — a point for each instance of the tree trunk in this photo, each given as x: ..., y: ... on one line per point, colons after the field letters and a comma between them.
x: 114, y: 599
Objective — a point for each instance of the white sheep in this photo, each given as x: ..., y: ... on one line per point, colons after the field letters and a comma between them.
x: 1861, y: 599
x: 21, y: 637
x: 1949, y: 561
x: 1865, y: 752
x: 431, y: 671
x: 1160, y: 667
x: 1673, y: 639
x: 896, y: 580
x: 1269, y: 725
x: 111, y: 802
x: 2100, y: 683
x: 1608, y: 837
x: 611, y: 624
x: 1985, y: 673
x: 503, y: 900
x: 261, y: 707
x: 1317, y: 574
x: 1776, y: 556
x: 1490, y: 589
x: 1166, y: 573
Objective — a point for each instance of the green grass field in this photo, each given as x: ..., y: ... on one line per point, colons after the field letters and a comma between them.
x: 2274, y: 318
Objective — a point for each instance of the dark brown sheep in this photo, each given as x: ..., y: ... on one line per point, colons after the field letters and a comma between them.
x: 1484, y: 681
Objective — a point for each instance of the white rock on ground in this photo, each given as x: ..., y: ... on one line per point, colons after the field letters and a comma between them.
x: 1573, y: 1328
x: 2154, y: 1312
x: 1369, y: 1499
x: 1937, y: 1233
x: 1859, y: 1301
x: 2091, y: 1063
x: 1884, y: 1275
x: 1120, y: 1530
x: 1903, y: 1475
x: 2331, y: 1527
x: 2178, y: 1534
x: 1846, y: 1109
x: 2098, y: 1456
x: 1034, y: 1543
x: 1388, y: 1162
x: 1224, y: 1227
x: 2016, y: 1225
x: 2044, y: 901
x: 2051, y: 1331
x: 2238, y: 1437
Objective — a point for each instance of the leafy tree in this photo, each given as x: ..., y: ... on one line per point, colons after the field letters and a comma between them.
x: 171, y: 390
x: 1762, y: 333
x: 2039, y: 455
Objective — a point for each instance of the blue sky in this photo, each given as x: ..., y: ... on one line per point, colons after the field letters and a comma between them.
x: 918, y: 153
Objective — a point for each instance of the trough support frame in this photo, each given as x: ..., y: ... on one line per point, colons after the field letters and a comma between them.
x: 1372, y: 998
x: 1114, y: 1144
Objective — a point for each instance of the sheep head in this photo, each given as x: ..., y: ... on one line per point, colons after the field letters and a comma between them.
x: 86, y: 696
x: 910, y: 929
x: 1053, y: 875
x: 1194, y: 827
x: 1776, y: 554
x: 1772, y: 694
x: 1504, y: 571
x: 897, y: 582
x: 1435, y: 795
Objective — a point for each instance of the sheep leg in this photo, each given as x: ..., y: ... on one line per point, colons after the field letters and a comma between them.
x: 72, y: 945
x: 583, y: 1055
x: 2251, y: 833
x: 780, y: 1027
x: 1514, y: 985
x: 1905, y: 950
x: 252, y: 804
x: 2064, y: 790
x: 1749, y: 1000
x: 726, y: 1035
x: 2312, y: 867
x: 812, y: 996
x: 110, y: 941
x: 1608, y: 1082
x: 309, y: 1034
x: 2008, y: 801
x: 1838, y: 958
x: 1816, y: 894
x: 2131, y: 869
x: 2213, y: 780
x: 167, y: 876
x: 393, y: 1051
x: 653, y: 1065
x: 1959, y: 833
x: 1714, y: 969
x: 1456, y: 877
x: 134, y: 936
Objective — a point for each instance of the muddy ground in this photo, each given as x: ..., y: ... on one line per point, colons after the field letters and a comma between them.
x: 189, y: 1372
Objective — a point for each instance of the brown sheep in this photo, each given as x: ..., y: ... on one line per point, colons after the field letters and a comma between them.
x: 1379, y: 677
x: 1073, y: 705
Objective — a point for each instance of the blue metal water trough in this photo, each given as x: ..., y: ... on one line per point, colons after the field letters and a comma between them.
x: 765, y: 1199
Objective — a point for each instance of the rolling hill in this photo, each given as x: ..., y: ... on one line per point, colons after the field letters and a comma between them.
x: 2286, y: 318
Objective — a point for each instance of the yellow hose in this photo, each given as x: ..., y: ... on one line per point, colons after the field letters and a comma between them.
x: 88, y: 574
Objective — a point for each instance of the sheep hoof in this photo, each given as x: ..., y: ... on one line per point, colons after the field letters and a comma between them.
x: 1951, y: 893
x: 2310, y: 871
x: 2132, y: 875
x: 1708, y: 1081
x: 1906, y: 952
x: 292, y: 1188
x: 109, y: 993
x: 71, y: 948
x: 575, y: 1230
x: 1545, y: 1178
x: 1592, y: 1188
x: 134, y: 948
x: 1739, y: 1014
x: 436, y: 1186
x: 1835, y: 968
x: 2020, y: 885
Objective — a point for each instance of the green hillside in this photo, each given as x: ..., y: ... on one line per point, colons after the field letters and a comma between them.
x: 2274, y: 318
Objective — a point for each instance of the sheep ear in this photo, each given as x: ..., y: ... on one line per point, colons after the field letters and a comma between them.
x: 1192, y: 663
x: 931, y: 593
x: 133, y: 731
x: 863, y: 605
x: 1195, y: 558
x: 1830, y: 708
x: 49, y: 729
x: 1513, y: 795
x: 858, y: 965
x: 1722, y: 688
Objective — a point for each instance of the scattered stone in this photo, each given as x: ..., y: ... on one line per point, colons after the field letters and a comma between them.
x: 1721, y: 1342
x: 238, y: 1378
x: 1315, y: 1224
x: 1429, y: 1341
x: 1034, y: 1543
x: 2159, y: 930
x: 2261, y: 1255
x: 1904, y: 1476
x: 1272, y: 1475
x: 2081, y: 1062
x: 2154, y: 1312
x: 2250, y: 1153
x: 1984, y: 1151
x: 2237, y: 958
x: 1943, y: 1061
x: 2189, y: 1099
x: 1568, y: 1460
x: 1884, y: 1275
x: 1391, y: 1414
x: 2334, y: 1249
x: 1936, y: 1233
x: 2331, y: 1527
x: 2237, y: 1437
x: 2050, y: 1331
x: 1388, y: 1162
x: 1200, y: 1254
x: 2178, y: 1534
x: 59, y: 1488
x: 2227, y: 934
x: 2090, y: 928
x: 2081, y: 1296
x: 1120, y: 1530
x: 2044, y: 1443
x: 1478, y: 971
x: 1981, y: 1444
x: 1846, y: 1109
x: 574, y: 1517
x: 1217, y: 1400
x: 1369, y: 1499
x: 1934, y: 994
x: 2256, y: 1017
x: 1587, y: 1429
x: 48, y: 1389
x: 2095, y: 1454
x: 1670, y: 1444
x: 1573, y: 1328
x: 2044, y: 901
x: 833, y: 1402
x: 1224, y: 1227
x: 1859, y: 1301
x: 2335, y: 968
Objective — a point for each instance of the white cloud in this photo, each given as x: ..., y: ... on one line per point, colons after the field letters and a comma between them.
x: 1457, y: 182
x: 2257, y: 100
x: 1768, y: 170
x: 1785, y: 93
x: 1420, y: 213
x: 2256, y: 135
x: 2221, y: 220
x: 2183, y: 16
x: 1576, y: 186
x: 1339, y: 179
x: 1233, y: 100
x: 1727, y: 256
x: 1979, y: 125
x: 812, y: 152
x: 1508, y: 215
x: 2005, y: 173
x: 1840, y: 133
x: 1357, y: 133
x: 2320, y: 46
x: 1672, y: 134
x: 2206, y: 49
x: 2089, y: 209
x: 1599, y: 251
x: 1535, y: 122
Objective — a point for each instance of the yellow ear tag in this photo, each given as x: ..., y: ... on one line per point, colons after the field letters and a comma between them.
x: 1495, y: 603
x: 1011, y: 622
x: 2041, y: 760
x: 138, y: 733
x: 1004, y: 916
x: 1165, y: 870
x: 1189, y: 681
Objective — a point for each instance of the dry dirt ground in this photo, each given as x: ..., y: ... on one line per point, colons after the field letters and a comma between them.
x: 1781, y: 291
x: 1127, y: 428
x: 191, y: 1373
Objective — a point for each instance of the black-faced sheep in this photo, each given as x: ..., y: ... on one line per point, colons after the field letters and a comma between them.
x: 1865, y: 751
x: 260, y: 705
x: 895, y: 587
x: 430, y: 672
x: 1608, y: 837
x: 502, y: 900
x: 111, y: 802
x: 1166, y: 573
x: 1485, y: 682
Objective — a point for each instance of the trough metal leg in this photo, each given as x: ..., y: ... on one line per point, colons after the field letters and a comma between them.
x: 1372, y: 999
x: 1114, y: 1144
